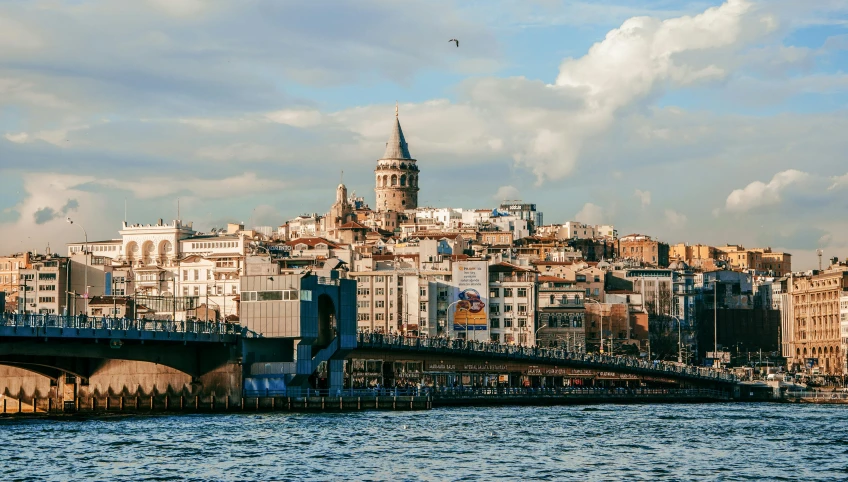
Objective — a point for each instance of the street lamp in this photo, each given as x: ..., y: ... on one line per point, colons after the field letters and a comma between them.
x: 536, y: 333
x: 679, y: 345
x: 715, y: 318
x: 85, y: 252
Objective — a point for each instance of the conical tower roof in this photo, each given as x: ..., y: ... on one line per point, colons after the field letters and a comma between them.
x: 397, y: 148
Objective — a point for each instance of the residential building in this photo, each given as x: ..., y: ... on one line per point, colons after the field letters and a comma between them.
x: 643, y: 249
x: 10, y: 280
x: 44, y: 286
x: 512, y: 304
x: 560, y: 314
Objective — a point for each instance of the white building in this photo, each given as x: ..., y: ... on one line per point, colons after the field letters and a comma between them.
x: 512, y: 304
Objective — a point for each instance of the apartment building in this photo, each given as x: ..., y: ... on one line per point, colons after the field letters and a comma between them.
x: 816, y: 305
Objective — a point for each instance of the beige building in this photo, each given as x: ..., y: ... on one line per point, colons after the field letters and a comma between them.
x: 643, y: 249
x: 816, y: 312
x: 10, y: 280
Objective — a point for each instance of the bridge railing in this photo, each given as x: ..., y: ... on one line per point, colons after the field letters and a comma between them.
x: 461, y: 346
x: 107, y: 323
x: 499, y: 392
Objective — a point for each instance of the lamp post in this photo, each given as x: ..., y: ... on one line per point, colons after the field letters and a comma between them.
x: 22, y: 301
x: 679, y: 345
x: 536, y: 333
x: 85, y: 252
x: 715, y: 320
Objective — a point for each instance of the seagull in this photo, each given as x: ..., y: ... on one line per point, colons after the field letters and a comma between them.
x: 454, y: 40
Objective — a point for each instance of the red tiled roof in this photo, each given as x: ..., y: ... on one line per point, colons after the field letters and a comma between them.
x: 352, y: 225
x: 552, y: 279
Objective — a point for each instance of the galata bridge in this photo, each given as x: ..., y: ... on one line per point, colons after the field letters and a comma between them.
x: 301, y: 344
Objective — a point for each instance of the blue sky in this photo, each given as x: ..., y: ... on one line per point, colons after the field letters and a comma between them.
x: 692, y: 121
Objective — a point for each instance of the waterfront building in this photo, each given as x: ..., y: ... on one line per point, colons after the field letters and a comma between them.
x: 43, y: 285
x: 512, y: 304
x: 817, y: 325
x: 560, y: 313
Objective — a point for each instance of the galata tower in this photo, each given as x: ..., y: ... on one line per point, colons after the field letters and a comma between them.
x: 397, y: 174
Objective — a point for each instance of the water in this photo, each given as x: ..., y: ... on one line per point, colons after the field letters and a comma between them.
x: 602, y: 442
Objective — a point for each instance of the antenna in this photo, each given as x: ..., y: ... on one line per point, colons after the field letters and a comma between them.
x: 125, y: 210
x: 178, y: 208
x: 819, y: 252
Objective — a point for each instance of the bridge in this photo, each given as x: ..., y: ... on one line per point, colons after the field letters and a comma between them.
x: 58, y: 346
x: 544, y: 361
x: 54, y: 345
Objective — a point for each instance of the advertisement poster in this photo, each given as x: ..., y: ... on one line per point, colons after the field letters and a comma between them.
x: 470, y: 303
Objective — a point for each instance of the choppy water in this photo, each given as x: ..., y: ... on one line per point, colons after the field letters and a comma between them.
x: 604, y: 442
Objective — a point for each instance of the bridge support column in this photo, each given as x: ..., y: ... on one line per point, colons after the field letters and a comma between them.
x: 336, y: 375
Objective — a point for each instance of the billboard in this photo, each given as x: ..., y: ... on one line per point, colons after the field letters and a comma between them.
x: 469, y: 301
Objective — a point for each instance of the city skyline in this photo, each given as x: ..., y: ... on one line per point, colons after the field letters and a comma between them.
x: 729, y: 135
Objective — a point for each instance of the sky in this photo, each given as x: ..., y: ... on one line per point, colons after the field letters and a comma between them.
x: 691, y: 121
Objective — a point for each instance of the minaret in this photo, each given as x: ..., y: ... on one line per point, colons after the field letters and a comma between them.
x: 397, y: 174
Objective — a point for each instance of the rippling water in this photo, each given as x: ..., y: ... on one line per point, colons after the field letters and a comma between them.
x: 603, y: 442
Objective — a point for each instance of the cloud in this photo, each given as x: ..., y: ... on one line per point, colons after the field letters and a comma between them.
x: 674, y: 219
x: 758, y: 194
x: 644, y: 197
x: 507, y: 193
x: 155, y: 187
x: 838, y: 182
x: 296, y: 117
x: 47, y: 214
x: 591, y: 214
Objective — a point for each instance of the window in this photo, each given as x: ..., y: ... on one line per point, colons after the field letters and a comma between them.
x: 185, y: 275
x: 522, y: 308
x: 378, y: 279
x: 47, y: 299
x: 379, y: 304
x: 507, y: 308
x: 379, y: 316
x: 494, y: 293
x: 363, y: 304
x: 422, y: 291
x: 277, y: 295
x: 522, y: 292
x: 496, y: 322
x: 185, y: 290
x: 48, y: 287
x: 507, y: 322
x: 596, y: 291
x: 522, y: 322
x: 495, y: 338
x: 47, y: 276
x: 494, y: 308
x: 379, y: 291
x: 196, y: 274
x: 507, y: 292
x: 208, y: 274
x: 196, y: 290
x: 363, y: 291
x: 363, y: 316
x: 423, y: 307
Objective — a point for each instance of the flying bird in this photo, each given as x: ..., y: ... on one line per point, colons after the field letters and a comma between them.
x: 454, y: 40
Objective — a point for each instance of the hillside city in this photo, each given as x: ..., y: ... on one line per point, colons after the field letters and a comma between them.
x: 494, y: 274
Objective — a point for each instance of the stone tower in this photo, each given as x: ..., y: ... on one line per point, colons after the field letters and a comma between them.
x: 397, y: 174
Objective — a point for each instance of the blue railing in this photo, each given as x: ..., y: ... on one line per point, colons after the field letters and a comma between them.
x: 108, y: 323
x: 460, y: 346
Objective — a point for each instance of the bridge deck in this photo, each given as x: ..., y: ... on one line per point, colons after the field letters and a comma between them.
x: 547, y: 356
x: 81, y: 327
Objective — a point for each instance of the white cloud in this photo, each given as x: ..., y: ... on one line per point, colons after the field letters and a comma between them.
x: 591, y: 214
x: 838, y: 182
x: 507, y: 193
x: 644, y: 197
x: 759, y: 194
x: 295, y: 117
x: 239, y: 152
x: 179, y: 8
x: 19, y: 138
x: 674, y: 219
x: 231, y: 187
